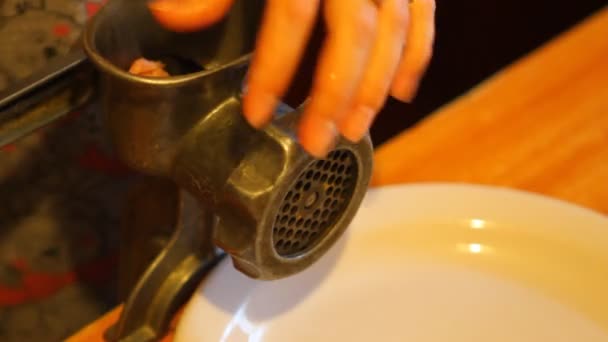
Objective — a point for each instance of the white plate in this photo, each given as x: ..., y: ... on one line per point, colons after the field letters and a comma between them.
x: 433, y: 262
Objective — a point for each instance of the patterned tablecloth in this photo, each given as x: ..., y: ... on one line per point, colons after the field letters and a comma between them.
x: 60, y: 192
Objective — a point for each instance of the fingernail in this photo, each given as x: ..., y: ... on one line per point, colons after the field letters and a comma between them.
x: 323, y: 139
x: 258, y: 107
x: 356, y: 124
x: 405, y: 89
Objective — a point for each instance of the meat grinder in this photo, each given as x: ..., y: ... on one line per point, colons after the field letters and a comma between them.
x: 224, y: 188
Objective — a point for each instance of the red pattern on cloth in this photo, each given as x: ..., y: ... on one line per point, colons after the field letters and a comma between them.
x: 62, y: 30
x: 39, y: 285
x: 8, y: 148
x: 93, y: 7
x: 93, y: 158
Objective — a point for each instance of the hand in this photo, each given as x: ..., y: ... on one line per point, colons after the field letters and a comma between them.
x: 373, y: 48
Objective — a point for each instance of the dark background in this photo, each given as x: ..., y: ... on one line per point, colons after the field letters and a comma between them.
x: 474, y: 39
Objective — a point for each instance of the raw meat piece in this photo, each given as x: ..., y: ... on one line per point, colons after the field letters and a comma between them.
x: 144, y: 67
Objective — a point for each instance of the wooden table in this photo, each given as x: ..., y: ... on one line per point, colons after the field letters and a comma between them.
x: 540, y: 125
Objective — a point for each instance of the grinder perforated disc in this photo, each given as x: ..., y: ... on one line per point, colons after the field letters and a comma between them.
x: 314, y: 203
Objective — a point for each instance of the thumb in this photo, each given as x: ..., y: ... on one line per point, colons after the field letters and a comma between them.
x: 188, y: 15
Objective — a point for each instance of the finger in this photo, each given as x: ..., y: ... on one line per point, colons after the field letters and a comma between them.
x: 418, y: 50
x: 351, y: 27
x: 286, y: 28
x: 374, y: 87
x: 188, y: 15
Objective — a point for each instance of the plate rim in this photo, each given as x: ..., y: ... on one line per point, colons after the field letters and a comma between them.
x: 497, y: 189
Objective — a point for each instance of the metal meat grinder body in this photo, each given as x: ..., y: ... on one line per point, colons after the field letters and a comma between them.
x: 255, y: 194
